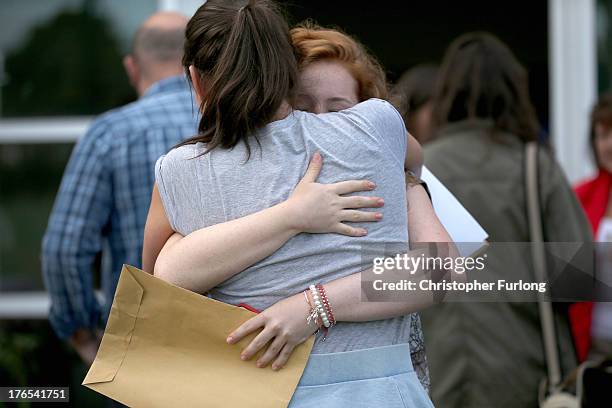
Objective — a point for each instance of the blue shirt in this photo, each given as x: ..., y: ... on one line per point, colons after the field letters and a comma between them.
x: 103, y: 201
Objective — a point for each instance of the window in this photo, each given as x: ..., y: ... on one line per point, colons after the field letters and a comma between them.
x: 60, y: 64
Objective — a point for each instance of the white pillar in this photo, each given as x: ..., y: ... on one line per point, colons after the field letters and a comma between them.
x: 573, y: 82
x: 2, y: 79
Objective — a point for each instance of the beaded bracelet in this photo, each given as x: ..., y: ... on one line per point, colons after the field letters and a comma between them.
x: 314, y: 315
x: 318, y: 305
x: 326, y: 305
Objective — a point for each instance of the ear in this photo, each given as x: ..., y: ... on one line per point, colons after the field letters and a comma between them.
x: 132, y: 70
x: 196, y: 80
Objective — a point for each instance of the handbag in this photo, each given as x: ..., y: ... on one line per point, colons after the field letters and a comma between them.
x: 590, y: 383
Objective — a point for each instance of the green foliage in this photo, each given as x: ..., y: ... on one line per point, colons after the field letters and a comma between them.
x: 31, y: 356
x: 14, y: 346
x: 70, y: 65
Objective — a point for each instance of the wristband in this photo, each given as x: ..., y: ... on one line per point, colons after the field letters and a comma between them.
x: 318, y: 305
x: 413, y: 180
x: 326, y: 305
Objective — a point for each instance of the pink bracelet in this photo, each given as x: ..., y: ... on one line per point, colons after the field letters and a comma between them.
x: 327, y: 305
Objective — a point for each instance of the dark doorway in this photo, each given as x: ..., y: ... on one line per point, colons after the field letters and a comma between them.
x: 405, y: 33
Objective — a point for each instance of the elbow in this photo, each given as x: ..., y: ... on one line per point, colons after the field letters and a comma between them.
x: 164, y: 271
x: 54, y: 255
x: 50, y: 249
x: 414, y: 156
x: 160, y: 270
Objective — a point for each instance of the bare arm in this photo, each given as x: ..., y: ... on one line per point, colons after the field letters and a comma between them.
x: 157, y: 232
x: 414, y: 156
x: 424, y: 227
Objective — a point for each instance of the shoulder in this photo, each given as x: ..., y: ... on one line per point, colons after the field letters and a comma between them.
x: 550, y: 169
x: 98, y: 137
x: 377, y: 113
x: 585, y: 186
x: 167, y: 110
x: 172, y: 168
x: 376, y: 106
x: 178, y: 157
x: 380, y: 119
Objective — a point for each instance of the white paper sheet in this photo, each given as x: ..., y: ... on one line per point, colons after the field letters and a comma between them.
x: 460, y: 224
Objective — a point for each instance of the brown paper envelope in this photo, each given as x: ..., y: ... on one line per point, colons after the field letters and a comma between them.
x: 165, y: 346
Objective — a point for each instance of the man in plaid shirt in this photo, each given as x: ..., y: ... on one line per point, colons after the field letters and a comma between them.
x: 103, y: 200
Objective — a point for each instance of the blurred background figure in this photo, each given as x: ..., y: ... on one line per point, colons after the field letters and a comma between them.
x: 592, y: 323
x: 412, y: 95
x: 105, y: 192
x: 491, y: 354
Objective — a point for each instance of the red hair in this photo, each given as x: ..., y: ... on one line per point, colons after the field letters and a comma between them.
x: 313, y: 43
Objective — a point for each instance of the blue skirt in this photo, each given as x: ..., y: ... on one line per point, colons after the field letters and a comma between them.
x: 368, y: 378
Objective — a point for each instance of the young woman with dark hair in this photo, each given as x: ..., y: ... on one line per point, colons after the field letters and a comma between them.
x: 236, y: 197
x: 481, y: 78
x: 483, y: 118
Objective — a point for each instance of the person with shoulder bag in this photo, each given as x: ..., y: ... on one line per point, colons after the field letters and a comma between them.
x: 492, y: 354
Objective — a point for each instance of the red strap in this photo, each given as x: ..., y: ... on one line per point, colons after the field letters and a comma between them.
x: 248, y: 307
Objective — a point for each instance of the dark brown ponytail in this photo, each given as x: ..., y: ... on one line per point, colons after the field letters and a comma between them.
x: 243, y: 53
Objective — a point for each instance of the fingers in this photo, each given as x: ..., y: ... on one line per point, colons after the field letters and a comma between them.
x: 361, y: 202
x: 352, y: 186
x: 245, y: 328
x: 344, y: 229
x: 314, y: 168
x: 283, y: 357
x: 257, y: 343
x: 360, y: 216
x: 272, y: 351
x: 355, y: 216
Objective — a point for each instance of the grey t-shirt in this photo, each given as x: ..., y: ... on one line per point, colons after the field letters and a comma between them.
x: 367, y: 141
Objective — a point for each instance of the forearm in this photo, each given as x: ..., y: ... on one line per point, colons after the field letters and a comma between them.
x: 345, y: 297
x: 423, y: 223
x: 211, y: 255
x: 424, y: 228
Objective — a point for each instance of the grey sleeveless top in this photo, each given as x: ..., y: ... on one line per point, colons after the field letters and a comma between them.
x: 367, y: 141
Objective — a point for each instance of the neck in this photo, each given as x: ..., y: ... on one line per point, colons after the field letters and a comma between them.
x: 283, y: 110
x: 146, y: 82
x: 143, y: 87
